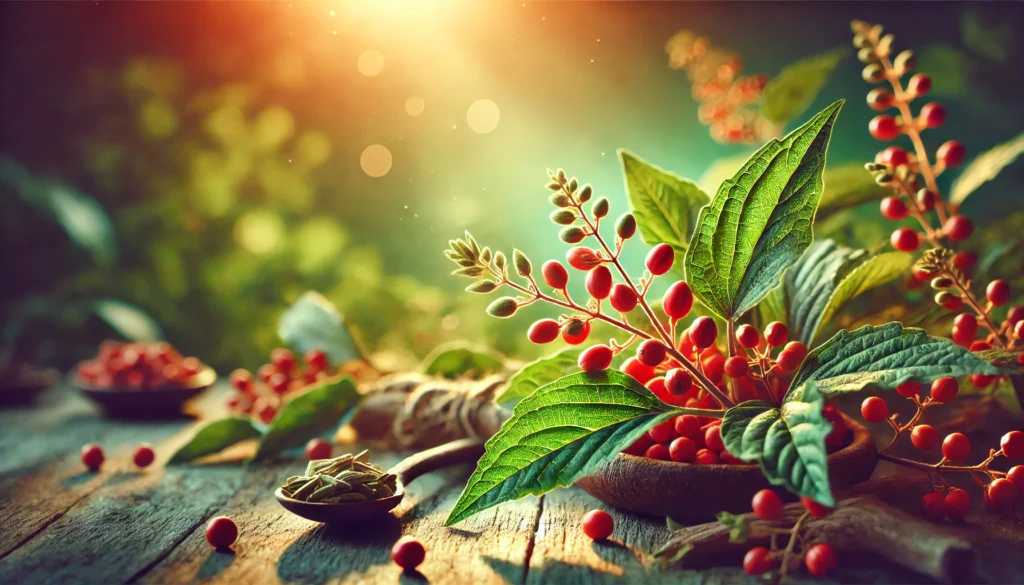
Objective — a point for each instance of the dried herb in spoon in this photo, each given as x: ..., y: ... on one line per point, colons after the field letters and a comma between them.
x: 349, y: 478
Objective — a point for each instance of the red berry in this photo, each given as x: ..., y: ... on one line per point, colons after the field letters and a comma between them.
x: 640, y: 372
x: 776, y: 333
x: 967, y: 324
x: 266, y: 371
x: 279, y: 382
x: 623, y: 298
x: 651, y: 353
x: 555, y: 274
x: 714, y: 367
x: 408, y: 553
x: 926, y: 199
x: 1016, y: 476
x: 965, y: 260
x: 998, y: 292
x: 747, y: 336
x: 581, y: 258
x: 949, y: 300
x: 951, y: 153
x: 1012, y: 445
x: 678, y: 382
x: 957, y: 504
x: 678, y: 300
x: 880, y: 99
x: 893, y: 208
x: 788, y: 361
x: 659, y: 452
x: 874, y: 409
x: 144, y: 455
x: 596, y: 358
x: 703, y: 332
x: 318, y: 449
x: 767, y: 505
x: 92, y: 456
x: 982, y: 380
x: 1018, y: 331
x: 662, y: 432
x: 543, y: 331
x: 960, y: 337
x: 316, y: 360
x: 958, y: 228
x: 713, y: 438
x: 924, y: 437
x: 757, y: 561
x: 1002, y: 492
x: 682, y: 450
x: 575, y: 331
x: 221, y: 532
x: 979, y: 345
x: 817, y: 510
x: 736, y: 366
x: 884, y: 127
x: 657, y: 387
x: 598, y: 524
x: 660, y: 258
x: 933, y: 506
x: 933, y: 114
x: 241, y: 380
x: 956, y: 447
x: 945, y: 389
x: 894, y: 156
x: 283, y: 359
x: 264, y: 410
x: 1015, y: 315
x: 687, y: 425
x: 905, y: 239
x: 706, y: 457
x: 599, y: 282
x: 820, y: 559
x: 798, y: 348
x: 919, y: 85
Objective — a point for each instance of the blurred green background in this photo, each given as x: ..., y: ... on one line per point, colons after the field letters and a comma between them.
x: 227, y: 145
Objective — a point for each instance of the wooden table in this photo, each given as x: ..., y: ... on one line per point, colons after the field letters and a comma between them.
x: 63, y: 524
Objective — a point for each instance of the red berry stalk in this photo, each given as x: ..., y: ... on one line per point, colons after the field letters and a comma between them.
x: 819, y: 559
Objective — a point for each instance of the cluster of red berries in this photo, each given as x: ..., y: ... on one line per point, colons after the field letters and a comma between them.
x: 92, y: 456
x: 138, y: 366
x: 685, y: 439
x: 262, y: 395
x: 819, y: 559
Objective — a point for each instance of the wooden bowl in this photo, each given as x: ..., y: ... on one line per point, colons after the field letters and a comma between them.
x: 338, y: 512
x: 693, y: 493
x: 147, y: 403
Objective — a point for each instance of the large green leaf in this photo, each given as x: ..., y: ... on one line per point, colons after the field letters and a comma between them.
x: 561, y: 432
x: 129, y: 321
x: 309, y: 414
x: 788, y: 442
x: 314, y: 323
x: 540, y: 372
x: 887, y: 355
x: 985, y: 167
x: 796, y: 87
x: 759, y: 222
x: 215, y: 436
x: 458, y: 359
x: 665, y: 205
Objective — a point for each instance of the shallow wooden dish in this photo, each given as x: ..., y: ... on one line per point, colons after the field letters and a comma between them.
x: 147, y: 403
x: 688, y: 492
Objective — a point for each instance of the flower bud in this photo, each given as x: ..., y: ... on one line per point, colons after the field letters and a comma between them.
x: 482, y: 287
x: 942, y: 283
x: 625, y: 226
x: 585, y: 192
x: 499, y: 261
x: 560, y: 200
x: 554, y: 186
x: 866, y: 55
x: 523, y: 266
x: 904, y: 62
x: 873, y: 73
x: 563, y: 216
x: 600, y: 207
x: 572, y: 234
x: 504, y: 307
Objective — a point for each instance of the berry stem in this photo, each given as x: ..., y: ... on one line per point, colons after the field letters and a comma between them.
x: 901, y: 429
x: 787, y: 554
x: 918, y: 213
x: 943, y: 465
x: 969, y: 299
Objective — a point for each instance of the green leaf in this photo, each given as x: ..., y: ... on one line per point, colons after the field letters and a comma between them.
x: 540, y: 372
x: 665, y: 204
x: 759, y: 222
x: 457, y: 359
x: 795, y: 88
x: 739, y: 526
x: 722, y: 169
x: 993, y: 42
x: 887, y: 355
x: 307, y: 415
x: 314, y: 323
x: 985, y: 167
x: 561, y: 432
x: 131, y: 322
x: 789, y: 442
x: 847, y: 185
x: 215, y: 436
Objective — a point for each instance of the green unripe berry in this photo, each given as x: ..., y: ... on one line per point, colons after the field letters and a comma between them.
x: 600, y: 207
x: 560, y: 200
x: 585, y: 193
x: 503, y: 308
x: 625, y: 226
x: 482, y: 287
x: 572, y: 234
x: 563, y: 216
x: 523, y: 266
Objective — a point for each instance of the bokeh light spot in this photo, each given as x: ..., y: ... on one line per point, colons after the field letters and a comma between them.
x: 371, y: 63
x: 259, y: 231
x: 483, y: 116
x: 375, y: 160
x: 414, y: 106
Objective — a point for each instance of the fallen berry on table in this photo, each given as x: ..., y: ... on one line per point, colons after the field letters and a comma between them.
x: 767, y: 505
x: 598, y: 524
x: 757, y: 561
x: 817, y: 510
x: 92, y: 456
x: 408, y: 553
x: 318, y: 449
x: 958, y: 504
x: 221, y: 532
x: 874, y: 409
x: 956, y: 447
x: 144, y: 455
x: 924, y: 437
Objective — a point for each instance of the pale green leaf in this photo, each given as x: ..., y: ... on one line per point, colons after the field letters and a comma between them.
x: 759, y: 222
x: 215, y: 436
x: 861, y: 275
x: 992, y: 41
x: 314, y: 323
x: 795, y: 88
x: 722, y: 169
x: 540, y: 372
x: 130, y: 322
x: 456, y: 359
x: 309, y: 414
x: 985, y: 167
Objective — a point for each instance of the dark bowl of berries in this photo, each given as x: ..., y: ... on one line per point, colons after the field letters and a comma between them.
x: 142, y: 380
x: 692, y: 480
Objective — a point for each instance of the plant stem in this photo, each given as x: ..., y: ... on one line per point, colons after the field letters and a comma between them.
x: 942, y: 466
x: 969, y: 299
x: 918, y: 214
x: 791, y: 544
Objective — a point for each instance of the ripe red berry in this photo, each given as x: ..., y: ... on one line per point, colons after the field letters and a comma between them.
x: 316, y: 360
x: 651, y: 353
x: 909, y: 389
x: 820, y: 560
x: 757, y: 561
x: 776, y: 333
x: 714, y: 367
x: 660, y: 258
x: 926, y: 199
x: 575, y: 331
x: 905, y: 239
x: 678, y: 382
x: 982, y: 380
x: 596, y: 358
x: 543, y: 331
x: 747, y: 336
x: 682, y: 450
x: 279, y: 382
x: 598, y: 524
x: 894, y: 156
x: 798, y: 348
x: 581, y: 258
x: 924, y: 437
x: 951, y: 153
x: 933, y: 114
x: 662, y: 432
x: 143, y: 455
x: 640, y: 372
x: 893, y: 208
x: 958, y: 228
x: 657, y: 387
x: 884, y: 127
x: 555, y: 274
x: 967, y: 324
x: 788, y: 361
x: 965, y: 260
x: 599, y: 282
x: 998, y: 292
x: 1018, y: 332
x: 767, y: 505
x: 264, y: 410
x: 687, y: 425
x: 92, y: 456
x: 1002, y: 493
x: 944, y: 389
x: 659, y: 452
x: 703, y: 332
x: 408, y: 553
x: 1012, y: 445
x: 678, y: 300
x: 956, y: 447
x: 283, y: 359
x: 736, y: 366
x: 241, y: 380
x: 266, y: 371
x: 874, y: 409
x: 1016, y: 476
x: 622, y: 298
x: 880, y: 99
x: 1015, y: 315
x: 957, y: 504
x: 919, y: 85
x: 318, y: 449
x: 817, y: 510
x: 933, y: 506
x: 979, y: 345
x: 221, y: 532
x: 713, y: 438
x: 706, y: 457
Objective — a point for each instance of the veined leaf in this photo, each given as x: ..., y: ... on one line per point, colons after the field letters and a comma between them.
x: 540, y: 372
x: 309, y: 414
x: 561, y: 432
x: 314, y: 323
x: 458, y: 359
x: 665, y: 205
x: 847, y: 185
x: 759, y: 222
x: 722, y: 169
x: 789, y: 442
x: 795, y: 88
x: 215, y: 436
x: 985, y: 167
x: 887, y: 355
